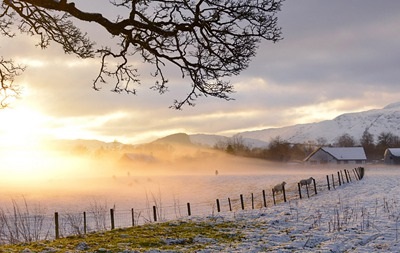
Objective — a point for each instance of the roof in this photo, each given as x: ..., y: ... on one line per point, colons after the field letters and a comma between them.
x: 346, y: 153
x: 394, y: 151
x: 342, y: 153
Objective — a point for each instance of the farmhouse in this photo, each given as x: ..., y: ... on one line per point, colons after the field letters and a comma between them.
x: 392, y: 156
x: 337, y: 155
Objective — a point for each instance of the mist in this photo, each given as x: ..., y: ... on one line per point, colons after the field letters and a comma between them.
x: 64, y: 181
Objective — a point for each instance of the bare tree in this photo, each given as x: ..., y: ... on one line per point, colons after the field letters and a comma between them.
x: 368, y: 143
x: 279, y: 150
x: 345, y: 140
x: 8, y: 89
x: 207, y: 40
x: 388, y: 140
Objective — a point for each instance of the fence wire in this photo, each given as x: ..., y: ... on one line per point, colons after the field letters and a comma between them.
x: 20, y: 225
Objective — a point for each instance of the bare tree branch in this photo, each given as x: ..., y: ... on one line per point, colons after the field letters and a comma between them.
x: 9, y: 90
x: 207, y: 40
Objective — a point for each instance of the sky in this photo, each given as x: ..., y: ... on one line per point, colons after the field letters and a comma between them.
x: 336, y: 57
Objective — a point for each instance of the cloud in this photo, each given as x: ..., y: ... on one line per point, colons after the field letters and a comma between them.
x: 336, y: 57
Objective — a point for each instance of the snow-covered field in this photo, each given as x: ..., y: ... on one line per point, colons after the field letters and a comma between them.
x: 359, y: 217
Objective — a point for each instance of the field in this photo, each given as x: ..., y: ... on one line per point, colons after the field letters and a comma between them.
x: 356, y: 217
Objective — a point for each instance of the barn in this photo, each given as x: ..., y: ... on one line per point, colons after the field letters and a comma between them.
x: 392, y: 156
x: 337, y: 155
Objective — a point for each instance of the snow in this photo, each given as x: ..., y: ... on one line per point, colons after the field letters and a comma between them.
x: 393, y: 106
x: 375, y: 121
x: 362, y: 216
x: 346, y: 153
x: 395, y: 151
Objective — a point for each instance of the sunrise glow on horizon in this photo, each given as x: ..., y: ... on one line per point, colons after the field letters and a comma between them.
x: 324, y: 67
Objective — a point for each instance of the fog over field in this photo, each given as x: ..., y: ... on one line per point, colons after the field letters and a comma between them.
x: 63, y: 182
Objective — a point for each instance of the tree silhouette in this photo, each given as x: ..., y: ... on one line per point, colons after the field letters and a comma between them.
x: 8, y: 89
x: 368, y: 143
x: 345, y: 140
x: 207, y: 40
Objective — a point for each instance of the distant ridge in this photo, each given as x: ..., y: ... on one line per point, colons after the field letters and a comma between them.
x: 178, y: 138
x: 375, y: 121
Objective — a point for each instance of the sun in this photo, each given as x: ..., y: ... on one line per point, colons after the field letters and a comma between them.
x: 21, y: 128
x: 21, y: 134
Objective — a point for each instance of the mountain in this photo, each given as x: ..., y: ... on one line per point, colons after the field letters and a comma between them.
x: 212, y: 140
x: 375, y: 121
x: 178, y: 138
x: 208, y: 139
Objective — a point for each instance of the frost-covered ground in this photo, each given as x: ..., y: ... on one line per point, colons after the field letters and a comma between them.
x: 359, y: 217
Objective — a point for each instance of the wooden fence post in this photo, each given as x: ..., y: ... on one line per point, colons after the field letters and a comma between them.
x: 273, y: 196
x: 341, y: 173
x: 57, y: 227
x: 347, y: 177
x: 284, y: 192
x: 230, y: 204
x: 340, y: 182
x: 84, y: 223
x: 315, y: 186
x: 327, y: 179
x: 299, y: 186
x: 155, y: 213
x: 333, y: 182
x: 133, y: 217
x: 218, y: 207
x: 361, y: 171
x: 112, y: 219
x: 188, y: 208
x: 356, y: 173
x: 265, y: 200
x: 242, y: 201
x: 252, y: 201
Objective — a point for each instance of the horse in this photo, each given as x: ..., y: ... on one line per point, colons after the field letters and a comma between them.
x: 306, y: 181
x: 279, y: 187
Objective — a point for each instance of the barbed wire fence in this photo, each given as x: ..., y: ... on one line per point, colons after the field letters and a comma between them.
x: 21, y: 225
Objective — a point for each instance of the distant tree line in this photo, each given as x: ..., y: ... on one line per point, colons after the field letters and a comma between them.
x: 280, y: 150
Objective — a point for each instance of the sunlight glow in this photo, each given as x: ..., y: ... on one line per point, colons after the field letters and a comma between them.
x: 35, y: 63
x: 319, y: 112
x: 21, y: 127
x: 83, y: 127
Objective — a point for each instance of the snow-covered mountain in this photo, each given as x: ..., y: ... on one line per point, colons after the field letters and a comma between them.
x: 375, y: 121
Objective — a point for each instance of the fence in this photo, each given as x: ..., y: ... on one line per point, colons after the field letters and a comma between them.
x: 22, y: 226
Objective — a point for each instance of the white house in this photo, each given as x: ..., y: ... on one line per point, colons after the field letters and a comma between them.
x: 337, y: 155
x: 392, y: 156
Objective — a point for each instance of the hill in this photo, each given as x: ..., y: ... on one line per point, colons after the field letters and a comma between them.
x: 375, y: 121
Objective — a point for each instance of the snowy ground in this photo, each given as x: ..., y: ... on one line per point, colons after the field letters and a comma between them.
x: 362, y: 216
x: 359, y: 217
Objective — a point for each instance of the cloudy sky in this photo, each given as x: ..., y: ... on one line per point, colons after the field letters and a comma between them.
x: 336, y: 57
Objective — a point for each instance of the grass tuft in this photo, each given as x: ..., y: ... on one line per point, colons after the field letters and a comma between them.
x: 174, y: 235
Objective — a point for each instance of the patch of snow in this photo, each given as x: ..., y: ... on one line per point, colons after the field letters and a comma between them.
x: 393, y: 106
